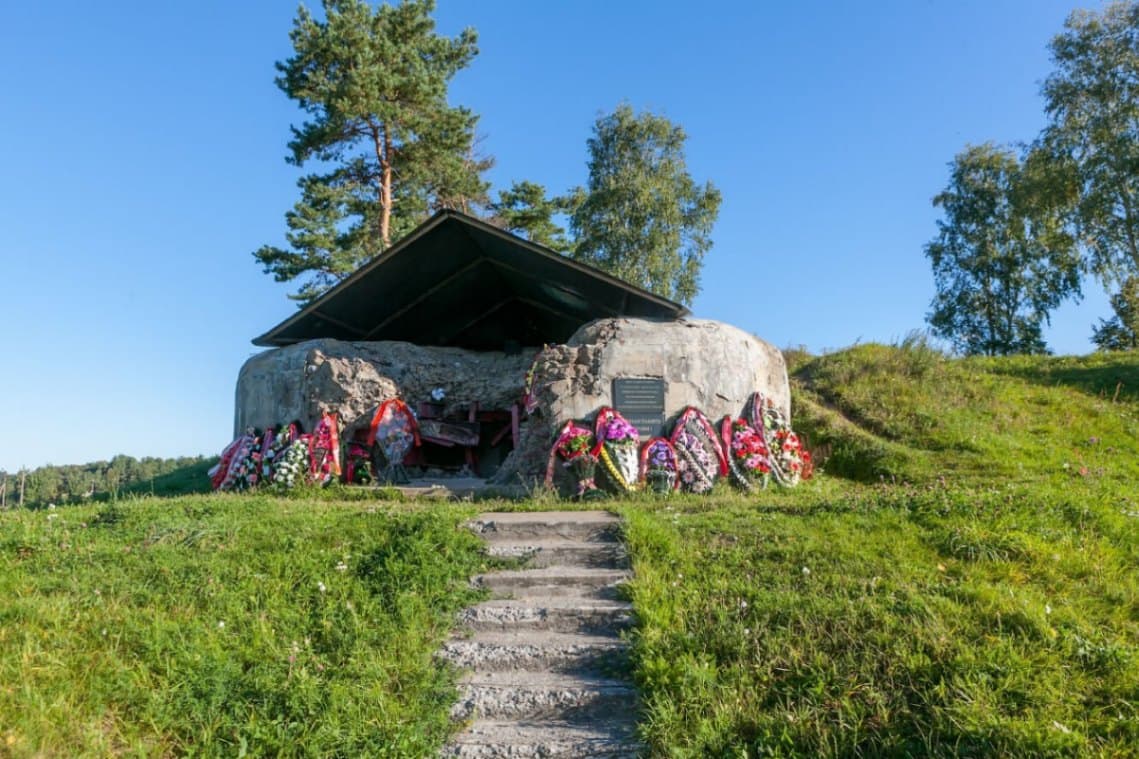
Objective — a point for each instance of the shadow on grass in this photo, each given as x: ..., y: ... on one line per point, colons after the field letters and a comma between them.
x: 1113, y: 377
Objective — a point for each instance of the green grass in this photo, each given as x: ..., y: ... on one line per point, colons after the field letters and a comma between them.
x: 907, y: 413
x: 182, y: 481
x: 221, y: 625
x: 887, y: 622
x: 961, y: 580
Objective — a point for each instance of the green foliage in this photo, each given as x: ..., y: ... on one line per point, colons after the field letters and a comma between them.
x: 1003, y: 258
x: 374, y: 85
x: 910, y: 414
x: 525, y: 210
x: 642, y: 217
x: 100, y: 480
x: 1092, y: 100
x: 1121, y: 331
x: 229, y: 625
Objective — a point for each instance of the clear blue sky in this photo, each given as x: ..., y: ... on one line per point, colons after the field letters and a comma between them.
x: 143, y: 153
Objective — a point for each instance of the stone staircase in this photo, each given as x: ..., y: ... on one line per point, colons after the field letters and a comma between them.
x: 546, y: 666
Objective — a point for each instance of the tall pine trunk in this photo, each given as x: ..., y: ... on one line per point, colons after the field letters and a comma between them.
x: 382, y: 144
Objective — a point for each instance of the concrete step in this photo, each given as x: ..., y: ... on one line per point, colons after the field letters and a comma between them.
x: 561, y: 552
x: 551, y: 581
x: 570, y: 525
x: 543, y: 695
x: 567, y: 614
x: 537, y: 652
x: 543, y: 664
x: 488, y: 739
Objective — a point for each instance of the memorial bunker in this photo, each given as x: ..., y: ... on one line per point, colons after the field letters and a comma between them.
x: 495, y: 341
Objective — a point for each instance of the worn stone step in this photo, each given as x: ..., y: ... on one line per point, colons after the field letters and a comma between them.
x: 543, y: 695
x: 488, y: 739
x: 555, y: 581
x: 570, y: 525
x: 537, y: 651
x: 561, y: 552
x: 565, y: 614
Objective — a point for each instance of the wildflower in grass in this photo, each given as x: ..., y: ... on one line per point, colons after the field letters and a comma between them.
x: 806, y: 572
x: 221, y: 625
x: 341, y: 567
x: 320, y: 586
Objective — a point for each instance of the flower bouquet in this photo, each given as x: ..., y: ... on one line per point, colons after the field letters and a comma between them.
x: 273, y: 447
x: 358, y: 464
x: 248, y: 472
x: 220, y: 470
x: 394, y: 431
x: 573, y: 446
x: 748, y: 459
x: 658, y: 465
x: 325, y: 450
x: 699, y: 453
x: 265, y: 460
x: 234, y: 461
x: 616, y: 448
x: 790, y: 461
x: 292, y: 464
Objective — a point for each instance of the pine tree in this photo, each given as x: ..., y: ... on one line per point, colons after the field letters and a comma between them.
x: 373, y: 83
x: 526, y: 210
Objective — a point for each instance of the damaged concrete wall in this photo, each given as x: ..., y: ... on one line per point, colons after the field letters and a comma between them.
x: 707, y: 364
x: 351, y: 378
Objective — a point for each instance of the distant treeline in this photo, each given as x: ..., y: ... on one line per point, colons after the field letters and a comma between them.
x: 101, y: 480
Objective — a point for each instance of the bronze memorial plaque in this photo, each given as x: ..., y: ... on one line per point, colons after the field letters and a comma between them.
x: 641, y: 401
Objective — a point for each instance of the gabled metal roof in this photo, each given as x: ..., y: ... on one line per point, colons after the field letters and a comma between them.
x: 456, y: 280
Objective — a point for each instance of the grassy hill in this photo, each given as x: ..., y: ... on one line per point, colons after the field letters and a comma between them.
x: 909, y: 413
x: 229, y: 625
x: 961, y: 580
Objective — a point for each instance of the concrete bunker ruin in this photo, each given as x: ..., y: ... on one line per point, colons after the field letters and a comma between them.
x: 515, y: 338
